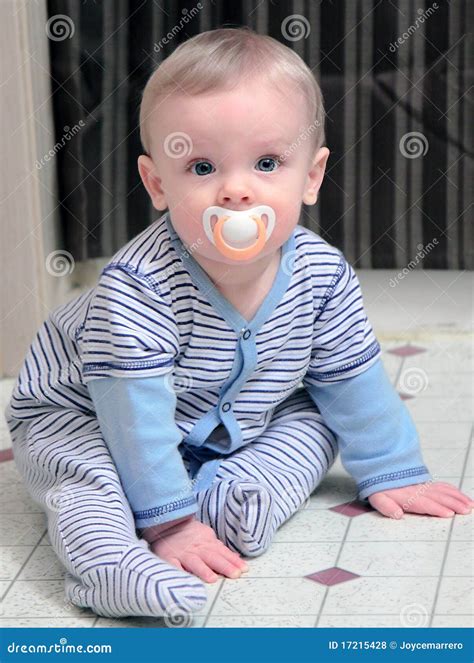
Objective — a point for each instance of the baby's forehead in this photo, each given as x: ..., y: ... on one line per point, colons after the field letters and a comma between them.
x: 262, y: 113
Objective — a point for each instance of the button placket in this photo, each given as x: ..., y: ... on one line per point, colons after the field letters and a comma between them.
x: 244, y: 334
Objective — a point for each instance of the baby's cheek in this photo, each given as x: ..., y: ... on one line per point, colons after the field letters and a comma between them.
x: 285, y: 221
x: 188, y: 226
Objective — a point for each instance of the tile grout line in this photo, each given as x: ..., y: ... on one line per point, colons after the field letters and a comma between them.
x: 259, y: 616
x: 363, y: 541
x: 338, y: 556
x: 352, y: 614
x: 451, y: 525
x: 209, y: 612
x: 21, y: 568
x: 275, y: 577
x: 448, y: 542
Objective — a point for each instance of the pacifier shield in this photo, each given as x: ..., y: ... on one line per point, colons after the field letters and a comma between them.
x: 239, y: 235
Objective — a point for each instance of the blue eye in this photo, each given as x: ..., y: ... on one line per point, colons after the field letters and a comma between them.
x: 269, y: 164
x: 201, y: 168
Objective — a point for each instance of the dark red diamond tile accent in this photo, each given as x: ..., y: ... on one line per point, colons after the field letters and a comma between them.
x: 407, y: 350
x: 352, y: 508
x: 332, y: 576
x: 6, y: 454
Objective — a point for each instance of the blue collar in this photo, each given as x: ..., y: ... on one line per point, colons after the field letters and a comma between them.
x: 207, y: 288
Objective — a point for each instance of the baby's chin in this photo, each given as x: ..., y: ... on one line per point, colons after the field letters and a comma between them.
x: 213, y: 255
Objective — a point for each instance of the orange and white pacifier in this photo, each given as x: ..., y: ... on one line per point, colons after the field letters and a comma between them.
x: 239, y: 235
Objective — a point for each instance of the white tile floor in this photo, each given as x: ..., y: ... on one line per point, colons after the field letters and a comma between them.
x: 413, y: 572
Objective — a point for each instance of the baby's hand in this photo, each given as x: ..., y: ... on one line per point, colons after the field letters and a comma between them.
x: 194, y: 547
x: 432, y: 498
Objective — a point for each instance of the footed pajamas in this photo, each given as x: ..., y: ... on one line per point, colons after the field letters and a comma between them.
x: 150, y: 397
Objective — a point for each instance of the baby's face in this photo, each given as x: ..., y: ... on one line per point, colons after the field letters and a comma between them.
x: 223, y: 149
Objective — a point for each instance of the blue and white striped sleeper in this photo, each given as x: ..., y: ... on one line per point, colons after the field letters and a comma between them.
x: 250, y: 413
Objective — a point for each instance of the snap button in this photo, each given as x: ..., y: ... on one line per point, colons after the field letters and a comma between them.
x: 226, y: 407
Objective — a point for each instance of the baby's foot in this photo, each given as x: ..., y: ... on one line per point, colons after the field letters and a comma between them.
x: 140, y: 584
x: 241, y: 513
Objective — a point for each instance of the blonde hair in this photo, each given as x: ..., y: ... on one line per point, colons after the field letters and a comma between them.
x: 218, y: 60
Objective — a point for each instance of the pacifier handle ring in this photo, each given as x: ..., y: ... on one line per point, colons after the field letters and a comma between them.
x: 240, y: 254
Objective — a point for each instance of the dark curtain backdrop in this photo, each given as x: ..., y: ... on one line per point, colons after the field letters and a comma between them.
x: 379, y: 206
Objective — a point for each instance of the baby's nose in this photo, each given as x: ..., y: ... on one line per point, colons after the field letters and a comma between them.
x: 236, y: 193
x: 236, y: 203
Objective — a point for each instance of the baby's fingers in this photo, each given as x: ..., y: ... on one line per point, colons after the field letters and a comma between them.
x: 430, y: 507
x: 232, y: 557
x: 220, y: 563
x: 452, y: 502
x: 386, y: 506
x: 455, y: 492
x: 198, y: 567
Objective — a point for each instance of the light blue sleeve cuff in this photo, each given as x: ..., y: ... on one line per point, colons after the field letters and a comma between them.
x: 137, y: 420
x: 393, y: 480
x: 165, y: 513
x: 377, y: 437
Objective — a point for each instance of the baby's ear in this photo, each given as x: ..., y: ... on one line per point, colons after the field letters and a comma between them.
x: 315, y: 176
x: 151, y: 181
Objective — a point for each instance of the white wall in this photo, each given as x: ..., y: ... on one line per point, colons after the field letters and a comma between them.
x: 29, y: 229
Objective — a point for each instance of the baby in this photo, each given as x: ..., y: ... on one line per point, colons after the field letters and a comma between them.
x: 173, y: 417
